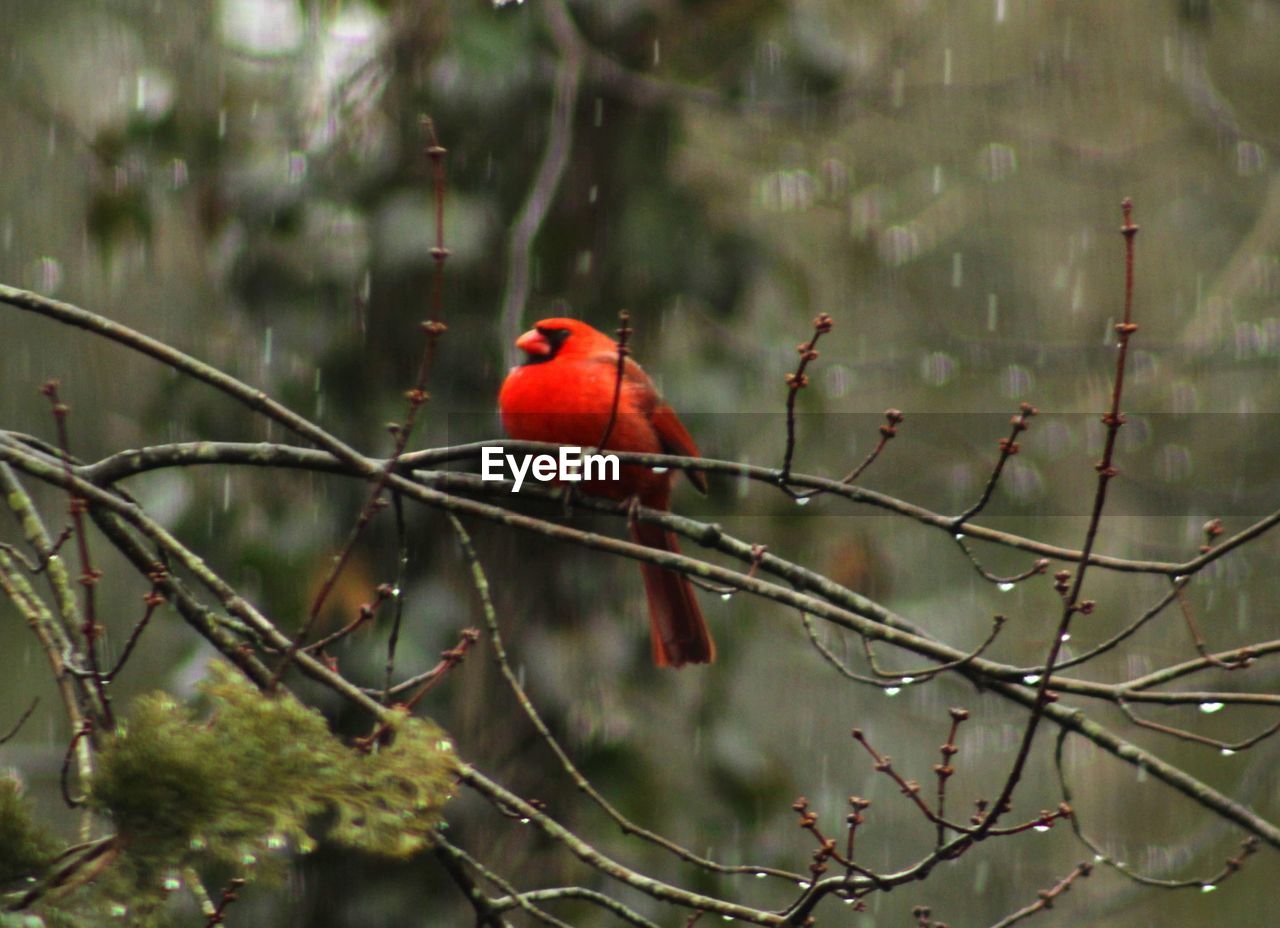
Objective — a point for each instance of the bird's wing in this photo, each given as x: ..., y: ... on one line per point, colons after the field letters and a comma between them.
x: 638, y: 392
x: 670, y: 430
x: 676, y: 440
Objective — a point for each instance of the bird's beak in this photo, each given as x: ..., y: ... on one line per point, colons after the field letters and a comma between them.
x: 534, y: 344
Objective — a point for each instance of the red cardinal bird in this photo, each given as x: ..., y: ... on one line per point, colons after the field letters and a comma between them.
x: 564, y: 393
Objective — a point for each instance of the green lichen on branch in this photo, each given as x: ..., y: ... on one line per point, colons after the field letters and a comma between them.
x: 25, y: 848
x: 257, y: 774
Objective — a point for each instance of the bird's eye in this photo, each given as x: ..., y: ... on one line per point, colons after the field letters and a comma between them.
x: 555, y: 337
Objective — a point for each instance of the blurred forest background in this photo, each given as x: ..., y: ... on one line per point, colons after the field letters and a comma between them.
x: 245, y: 180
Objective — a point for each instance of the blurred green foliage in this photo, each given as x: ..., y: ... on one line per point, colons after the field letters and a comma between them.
x: 233, y: 787
x: 25, y: 847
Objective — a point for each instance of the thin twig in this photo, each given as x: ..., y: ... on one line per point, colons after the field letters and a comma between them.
x: 64, y: 774
x: 402, y: 572
x: 449, y: 659
x: 1212, y: 662
x: 1046, y: 896
x: 1008, y: 448
x: 797, y: 381
x: 22, y: 720
x: 526, y: 900
x: 152, y: 601
x: 53, y: 643
x: 90, y: 630
x: 76, y: 867
x: 925, y: 673
x: 944, y: 769
x: 888, y: 431
x: 452, y: 859
x: 364, y: 615
x: 656, y: 889
x: 624, y: 334
x: 835, y: 661
x: 1224, y: 747
x: 1106, y: 470
x: 557, y: 893
x: 912, y: 789
x: 1247, y: 847
x: 1005, y: 583
x: 1245, y: 657
x: 230, y: 893
x: 1120, y: 636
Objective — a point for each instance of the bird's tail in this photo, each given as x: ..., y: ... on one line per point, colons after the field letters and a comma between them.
x: 679, y: 632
